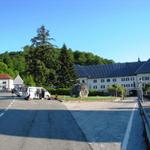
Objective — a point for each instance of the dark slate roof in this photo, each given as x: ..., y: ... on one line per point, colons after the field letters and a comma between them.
x: 108, y: 70
x: 145, y: 68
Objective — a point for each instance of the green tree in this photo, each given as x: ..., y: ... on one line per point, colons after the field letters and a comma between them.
x: 146, y: 87
x: 4, y: 69
x: 41, y: 58
x: 42, y: 38
x: 7, y: 60
x: 117, y: 90
x: 66, y: 74
x: 29, y: 80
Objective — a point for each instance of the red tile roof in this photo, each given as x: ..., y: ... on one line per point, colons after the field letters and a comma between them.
x: 5, y: 76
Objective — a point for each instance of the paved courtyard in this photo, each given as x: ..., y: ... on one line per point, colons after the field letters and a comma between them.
x: 49, y: 125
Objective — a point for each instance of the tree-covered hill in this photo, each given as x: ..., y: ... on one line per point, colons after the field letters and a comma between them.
x: 43, y: 64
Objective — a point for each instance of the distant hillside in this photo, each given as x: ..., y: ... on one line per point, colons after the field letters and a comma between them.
x: 16, y: 60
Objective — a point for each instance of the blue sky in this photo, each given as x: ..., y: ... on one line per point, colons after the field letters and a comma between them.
x: 114, y: 29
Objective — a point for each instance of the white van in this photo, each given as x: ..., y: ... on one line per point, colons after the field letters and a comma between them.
x: 36, y: 93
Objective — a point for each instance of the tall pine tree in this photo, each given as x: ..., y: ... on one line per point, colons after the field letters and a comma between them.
x: 66, y: 73
x: 39, y: 58
x: 42, y: 38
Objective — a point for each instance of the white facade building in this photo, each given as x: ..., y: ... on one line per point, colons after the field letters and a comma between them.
x: 6, y: 82
x: 18, y: 82
x: 100, y: 77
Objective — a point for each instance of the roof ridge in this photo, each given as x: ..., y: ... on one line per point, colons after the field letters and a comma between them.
x: 142, y: 66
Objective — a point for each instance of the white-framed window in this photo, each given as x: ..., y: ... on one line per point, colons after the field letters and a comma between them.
x: 122, y: 79
x: 127, y: 85
x: 102, y: 86
x: 95, y: 87
x: 145, y: 78
x: 108, y: 80
x: 4, y: 82
x: 132, y: 78
x: 94, y: 81
x: 102, y: 80
x: 132, y: 85
x: 114, y: 80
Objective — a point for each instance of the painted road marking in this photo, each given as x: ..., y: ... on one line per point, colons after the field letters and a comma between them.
x: 128, y: 130
x: 6, y: 109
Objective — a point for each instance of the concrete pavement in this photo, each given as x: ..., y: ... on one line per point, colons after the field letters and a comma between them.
x: 105, y: 124
x: 51, y: 125
x: 37, y: 125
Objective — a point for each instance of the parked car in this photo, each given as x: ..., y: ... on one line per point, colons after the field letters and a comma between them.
x: 36, y: 93
x: 17, y: 92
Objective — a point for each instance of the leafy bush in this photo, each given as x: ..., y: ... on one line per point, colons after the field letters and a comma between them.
x: 117, y: 90
x: 147, y: 96
x: 97, y: 93
x: 60, y: 91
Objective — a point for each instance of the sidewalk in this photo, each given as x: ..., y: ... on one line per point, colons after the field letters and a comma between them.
x: 146, y: 106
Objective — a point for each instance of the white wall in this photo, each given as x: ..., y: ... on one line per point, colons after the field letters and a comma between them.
x: 6, y: 83
x: 144, y: 78
x: 128, y: 82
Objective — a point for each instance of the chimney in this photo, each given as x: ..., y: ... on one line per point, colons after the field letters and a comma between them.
x: 139, y: 59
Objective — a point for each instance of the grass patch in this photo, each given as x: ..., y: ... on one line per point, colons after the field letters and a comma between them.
x: 90, y: 98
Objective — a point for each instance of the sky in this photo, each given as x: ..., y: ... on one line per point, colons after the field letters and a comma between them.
x: 113, y: 29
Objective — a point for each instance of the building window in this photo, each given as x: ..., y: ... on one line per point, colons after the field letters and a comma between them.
x: 94, y: 87
x: 132, y: 78
x: 127, y: 79
x: 145, y: 78
x: 108, y: 80
x: 114, y: 80
x: 123, y: 85
x: 83, y: 81
x: 102, y: 80
x: 122, y: 79
x: 4, y: 82
x: 94, y: 81
x: 102, y: 86
x: 127, y: 85
x: 132, y: 85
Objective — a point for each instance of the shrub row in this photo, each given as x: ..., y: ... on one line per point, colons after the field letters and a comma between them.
x: 97, y: 93
x: 147, y: 96
x: 60, y: 91
x: 67, y: 91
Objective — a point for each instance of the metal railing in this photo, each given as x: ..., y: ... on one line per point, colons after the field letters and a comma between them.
x: 146, y: 121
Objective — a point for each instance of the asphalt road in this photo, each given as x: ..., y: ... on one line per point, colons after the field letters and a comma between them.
x: 39, y: 125
x: 48, y: 125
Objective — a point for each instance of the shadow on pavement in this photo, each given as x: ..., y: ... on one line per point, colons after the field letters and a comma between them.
x: 103, y: 126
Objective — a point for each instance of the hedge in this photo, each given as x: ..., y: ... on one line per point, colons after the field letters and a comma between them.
x: 97, y: 93
x: 67, y: 91
x: 60, y: 91
x: 147, y: 96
